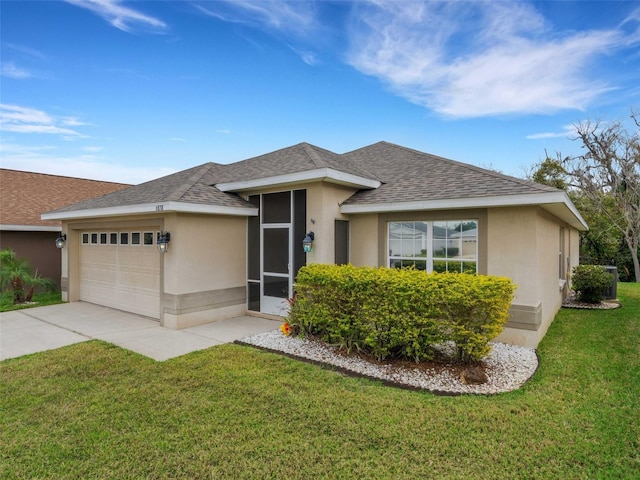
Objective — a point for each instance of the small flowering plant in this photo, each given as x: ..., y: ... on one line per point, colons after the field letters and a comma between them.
x: 285, y: 328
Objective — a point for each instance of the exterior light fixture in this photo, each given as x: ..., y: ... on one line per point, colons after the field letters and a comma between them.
x: 307, y: 242
x: 163, y: 241
x: 60, y: 241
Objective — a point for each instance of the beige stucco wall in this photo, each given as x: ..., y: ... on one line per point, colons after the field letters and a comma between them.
x: 524, y: 244
x: 207, y: 252
x: 512, y: 245
x: 365, y: 248
x: 204, y: 270
x: 323, y: 209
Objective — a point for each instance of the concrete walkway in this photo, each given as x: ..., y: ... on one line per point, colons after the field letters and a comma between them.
x: 32, y: 330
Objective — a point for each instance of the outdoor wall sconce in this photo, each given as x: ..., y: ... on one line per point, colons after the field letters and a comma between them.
x: 60, y: 241
x: 163, y: 241
x: 306, y: 243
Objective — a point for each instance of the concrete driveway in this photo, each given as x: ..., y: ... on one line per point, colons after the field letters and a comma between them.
x: 44, y: 328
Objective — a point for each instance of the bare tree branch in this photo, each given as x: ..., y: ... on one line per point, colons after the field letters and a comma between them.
x: 610, y: 170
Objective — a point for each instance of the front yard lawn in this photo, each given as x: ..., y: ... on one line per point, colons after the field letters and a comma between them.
x: 93, y: 410
x: 39, y: 300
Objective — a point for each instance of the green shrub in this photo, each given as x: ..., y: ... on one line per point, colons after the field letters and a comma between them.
x: 590, y: 282
x: 15, y: 273
x: 400, y: 313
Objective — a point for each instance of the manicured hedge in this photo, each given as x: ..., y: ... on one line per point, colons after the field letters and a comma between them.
x: 392, y: 313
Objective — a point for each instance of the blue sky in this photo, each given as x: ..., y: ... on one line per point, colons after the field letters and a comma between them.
x: 130, y: 91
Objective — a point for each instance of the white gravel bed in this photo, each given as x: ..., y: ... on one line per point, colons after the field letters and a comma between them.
x: 508, y: 367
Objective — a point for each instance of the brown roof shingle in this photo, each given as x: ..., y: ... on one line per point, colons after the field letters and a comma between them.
x: 24, y: 196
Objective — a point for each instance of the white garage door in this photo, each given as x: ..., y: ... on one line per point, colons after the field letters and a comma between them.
x: 121, y: 270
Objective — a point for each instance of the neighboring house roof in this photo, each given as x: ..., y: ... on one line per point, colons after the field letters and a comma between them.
x: 388, y: 178
x: 25, y: 196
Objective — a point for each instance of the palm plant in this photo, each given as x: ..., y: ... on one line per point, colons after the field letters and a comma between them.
x: 16, y: 273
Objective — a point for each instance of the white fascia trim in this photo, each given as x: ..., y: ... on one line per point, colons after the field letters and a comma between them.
x: 472, y: 202
x: 575, y: 211
x: 30, y: 228
x: 161, y: 207
x: 329, y: 174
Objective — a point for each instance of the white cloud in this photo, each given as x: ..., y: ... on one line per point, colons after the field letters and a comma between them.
x: 10, y: 70
x: 31, y: 52
x: 119, y: 16
x: 46, y: 159
x: 72, y: 122
x: 92, y: 149
x: 294, y: 21
x: 224, y: 131
x: 18, y: 119
x: 307, y: 56
x: 568, y: 131
x: 466, y: 59
x: 177, y: 139
x: 298, y: 18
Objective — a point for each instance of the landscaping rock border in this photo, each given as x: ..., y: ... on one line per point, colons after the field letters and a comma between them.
x: 507, y: 367
x: 571, y: 302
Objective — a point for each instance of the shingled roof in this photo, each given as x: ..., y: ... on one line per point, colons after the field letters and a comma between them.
x: 411, y: 176
x: 297, y: 158
x: 191, y: 186
x: 24, y: 196
x: 197, y: 185
x: 388, y: 177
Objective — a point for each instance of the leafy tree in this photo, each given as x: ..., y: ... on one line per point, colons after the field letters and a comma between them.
x: 550, y: 172
x: 16, y: 273
x: 603, y: 243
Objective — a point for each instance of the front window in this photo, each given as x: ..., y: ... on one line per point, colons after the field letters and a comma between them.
x: 441, y: 246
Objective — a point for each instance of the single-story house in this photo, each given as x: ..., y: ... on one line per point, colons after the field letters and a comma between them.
x: 236, y: 231
x: 24, y: 197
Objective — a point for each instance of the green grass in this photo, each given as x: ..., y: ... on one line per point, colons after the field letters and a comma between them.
x: 93, y: 410
x: 39, y: 300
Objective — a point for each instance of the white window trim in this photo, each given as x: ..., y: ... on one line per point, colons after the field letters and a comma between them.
x: 140, y: 239
x: 152, y: 240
